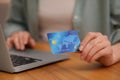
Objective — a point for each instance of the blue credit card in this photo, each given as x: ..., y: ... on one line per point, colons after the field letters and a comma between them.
x: 63, y: 42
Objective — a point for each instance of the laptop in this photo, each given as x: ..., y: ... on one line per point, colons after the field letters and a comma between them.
x: 14, y: 61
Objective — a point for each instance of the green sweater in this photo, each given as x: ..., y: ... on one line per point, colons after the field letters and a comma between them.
x: 89, y: 16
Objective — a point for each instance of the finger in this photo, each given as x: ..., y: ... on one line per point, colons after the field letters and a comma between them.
x: 96, y: 43
x: 9, y: 43
x: 101, y: 53
x: 87, y: 39
x: 26, y: 37
x: 85, y: 51
x: 89, y: 46
x: 95, y: 50
x: 21, y: 40
x: 16, y: 42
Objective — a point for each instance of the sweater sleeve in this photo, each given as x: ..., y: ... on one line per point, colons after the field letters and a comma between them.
x: 16, y: 20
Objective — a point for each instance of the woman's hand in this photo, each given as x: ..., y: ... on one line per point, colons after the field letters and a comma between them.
x: 94, y: 47
x: 20, y: 39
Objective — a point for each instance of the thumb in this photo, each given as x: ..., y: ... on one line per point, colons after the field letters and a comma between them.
x: 9, y: 43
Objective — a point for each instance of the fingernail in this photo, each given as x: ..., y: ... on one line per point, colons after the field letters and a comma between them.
x: 81, y: 48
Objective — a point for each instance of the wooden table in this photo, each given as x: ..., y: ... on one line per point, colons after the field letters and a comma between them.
x: 72, y: 69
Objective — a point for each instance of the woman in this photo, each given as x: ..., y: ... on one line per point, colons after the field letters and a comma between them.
x: 31, y: 20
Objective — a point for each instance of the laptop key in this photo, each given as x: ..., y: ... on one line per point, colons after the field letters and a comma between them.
x: 20, y: 60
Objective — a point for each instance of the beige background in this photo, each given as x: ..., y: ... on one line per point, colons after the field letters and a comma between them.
x: 4, y: 9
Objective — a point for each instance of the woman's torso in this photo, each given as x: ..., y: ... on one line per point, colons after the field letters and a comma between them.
x: 55, y: 15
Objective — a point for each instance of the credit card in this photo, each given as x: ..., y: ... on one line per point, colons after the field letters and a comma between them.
x: 64, y: 42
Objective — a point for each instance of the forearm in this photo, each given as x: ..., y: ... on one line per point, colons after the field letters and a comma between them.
x: 116, y: 52
x: 16, y: 20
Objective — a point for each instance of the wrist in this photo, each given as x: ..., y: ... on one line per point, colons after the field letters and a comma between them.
x: 116, y: 52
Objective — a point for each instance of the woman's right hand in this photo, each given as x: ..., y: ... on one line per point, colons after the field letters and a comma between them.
x: 20, y: 39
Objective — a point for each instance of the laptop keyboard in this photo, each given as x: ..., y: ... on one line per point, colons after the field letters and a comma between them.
x: 20, y: 60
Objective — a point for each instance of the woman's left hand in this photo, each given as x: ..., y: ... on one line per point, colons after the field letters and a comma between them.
x: 94, y: 46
